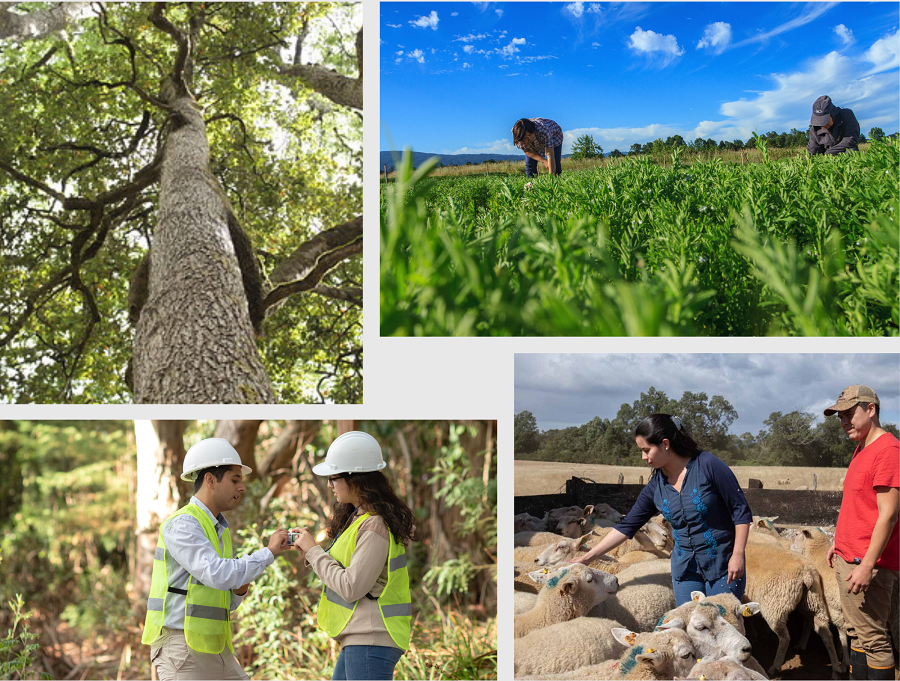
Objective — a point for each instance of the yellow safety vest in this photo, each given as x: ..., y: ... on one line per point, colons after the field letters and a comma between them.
x: 395, y: 603
x: 207, y: 620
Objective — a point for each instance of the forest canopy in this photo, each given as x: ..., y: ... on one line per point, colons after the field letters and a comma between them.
x: 786, y: 439
x: 91, y: 93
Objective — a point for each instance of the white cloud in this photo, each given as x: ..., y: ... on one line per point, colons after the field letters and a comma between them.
x: 431, y: 21
x: 716, y: 36
x: 511, y: 49
x: 433, y: 51
x: 394, y: 25
x: 417, y: 55
x: 499, y: 13
x: 469, y: 49
x: 576, y: 8
x: 650, y: 43
x: 400, y: 53
x: 513, y: 74
x: 595, y: 45
x: 466, y: 65
x: 883, y: 53
x: 398, y: 60
x: 504, y: 146
x: 529, y: 59
x: 812, y: 11
x: 504, y: 66
x: 454, y: 14
x: 471, y: 37
x: 845, y: 34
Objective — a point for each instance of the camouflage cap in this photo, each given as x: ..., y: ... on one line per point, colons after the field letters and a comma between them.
x: 851, y: 396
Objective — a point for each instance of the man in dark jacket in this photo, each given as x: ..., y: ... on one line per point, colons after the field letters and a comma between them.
x: 832, y: 130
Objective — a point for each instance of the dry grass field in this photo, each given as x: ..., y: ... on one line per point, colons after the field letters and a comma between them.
x: 542, y: 477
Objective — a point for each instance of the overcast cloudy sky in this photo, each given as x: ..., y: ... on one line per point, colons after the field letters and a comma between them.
x: 456, y: 76
x: 569, y: 390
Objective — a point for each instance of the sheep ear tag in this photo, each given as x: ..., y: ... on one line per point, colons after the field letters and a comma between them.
x: 697, y: 595
x: 747, y: 612
x: 630, y: 638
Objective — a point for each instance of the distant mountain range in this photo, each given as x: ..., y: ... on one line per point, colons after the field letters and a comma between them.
x: 387, y: 157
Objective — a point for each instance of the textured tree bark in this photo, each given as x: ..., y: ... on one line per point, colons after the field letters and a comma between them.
x: 159, y: 492
x: 39, y: 23
x: 242, y: 436
x: 194, y: 342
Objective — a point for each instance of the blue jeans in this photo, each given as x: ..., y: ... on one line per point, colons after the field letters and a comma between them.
x: 366, y: 662
x: 693, y: 581
x: 531, y: 164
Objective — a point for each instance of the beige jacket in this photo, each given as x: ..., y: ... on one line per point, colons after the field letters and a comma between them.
x: 367, y: 573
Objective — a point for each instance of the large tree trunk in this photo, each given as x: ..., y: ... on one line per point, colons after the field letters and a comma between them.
x: 194, y: 341
x: 242, y: 436
x: 160, y: 492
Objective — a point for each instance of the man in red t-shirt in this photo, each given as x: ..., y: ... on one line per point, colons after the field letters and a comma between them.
x: 866, y: 551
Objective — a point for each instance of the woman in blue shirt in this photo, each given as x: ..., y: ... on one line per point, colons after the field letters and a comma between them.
x: 700, y: 498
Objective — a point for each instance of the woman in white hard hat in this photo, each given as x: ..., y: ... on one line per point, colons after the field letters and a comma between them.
x: 365, y: 604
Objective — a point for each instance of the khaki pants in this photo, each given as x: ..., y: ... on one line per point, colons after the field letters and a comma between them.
x: 173, y: 660
x: 869, y: 614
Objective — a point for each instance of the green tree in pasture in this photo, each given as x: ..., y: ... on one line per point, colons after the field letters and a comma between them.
x: 525, y: 432
x: 615, y: 153
x: 738, y: 144
x: 256, y: 110
x: 675, y: 141
x: 585, y: 147
x: 876, y: 134
x: 635, y: 149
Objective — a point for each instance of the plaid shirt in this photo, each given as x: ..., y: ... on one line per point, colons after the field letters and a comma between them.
x: 547, y: 134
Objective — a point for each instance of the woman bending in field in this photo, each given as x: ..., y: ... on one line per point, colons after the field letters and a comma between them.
x: 535, y: 136
x: 700, y: 498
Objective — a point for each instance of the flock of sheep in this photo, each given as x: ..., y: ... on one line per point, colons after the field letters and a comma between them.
x: 616, y: 618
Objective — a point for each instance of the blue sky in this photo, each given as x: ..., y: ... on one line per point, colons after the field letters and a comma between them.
x: 456, y: 76
x: 563, y: 390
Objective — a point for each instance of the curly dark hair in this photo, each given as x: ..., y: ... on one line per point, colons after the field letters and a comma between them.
x: 374, y: 491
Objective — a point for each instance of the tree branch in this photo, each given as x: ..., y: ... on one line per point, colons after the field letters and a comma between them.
x: 39, y: 23
x: 350, y: 295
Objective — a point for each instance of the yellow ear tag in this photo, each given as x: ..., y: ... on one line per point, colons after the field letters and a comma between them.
x: 747, y: 612
x: 702, y: 678
x: 545, y: 571
x: 651, y: 650
x: 630, y: 639
x: 696, y: 598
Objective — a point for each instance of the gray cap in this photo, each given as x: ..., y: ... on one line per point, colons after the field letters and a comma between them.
x: 822, y: 110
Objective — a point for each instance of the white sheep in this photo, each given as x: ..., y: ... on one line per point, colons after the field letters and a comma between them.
x: 553, y: 516
x: 523, y: 602
x: 564, y: 646
x: 525, y: 522
x: 574, y: 526
x: 534, y: 538
x: 644, y: 596
x: 725, y: 668
x: 569, y: 593
x: 650, y: 655
x: 814, y: 544
x: 710, y: 633
x: 780, y: 580
x: 551, y: 554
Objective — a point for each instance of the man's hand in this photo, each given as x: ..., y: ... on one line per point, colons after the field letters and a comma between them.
x: 305, y: 541
x: 830, y: 556
x: 278, y: 542
x: 859, y: 579
x: 735, y: 567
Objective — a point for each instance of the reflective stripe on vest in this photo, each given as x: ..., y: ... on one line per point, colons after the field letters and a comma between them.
x: 207, y: 625
x: 395, y: 602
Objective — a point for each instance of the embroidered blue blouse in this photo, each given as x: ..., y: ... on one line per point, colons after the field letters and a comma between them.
x: 702, y: 515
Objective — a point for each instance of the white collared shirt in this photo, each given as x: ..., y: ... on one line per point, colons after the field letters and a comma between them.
x: 189, y: 553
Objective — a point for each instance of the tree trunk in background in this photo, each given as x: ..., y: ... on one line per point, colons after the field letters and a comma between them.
x: 194, y: 342
x: 160, y: 492
x: 242, y: 436
x: 345, y: 427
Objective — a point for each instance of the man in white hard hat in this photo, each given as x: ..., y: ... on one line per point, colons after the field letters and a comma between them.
x: 197, y: 582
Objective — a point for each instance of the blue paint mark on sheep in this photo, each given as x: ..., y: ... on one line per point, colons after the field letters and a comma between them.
x: 553, y: 581
x: 630, y: 662
x: 661, y: 620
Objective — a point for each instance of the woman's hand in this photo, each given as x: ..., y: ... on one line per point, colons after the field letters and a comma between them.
x: 305, y: 541
x: 735, y: 567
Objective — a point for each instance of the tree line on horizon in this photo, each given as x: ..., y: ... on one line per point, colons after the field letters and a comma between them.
x: 786, y: 439
x: 585, y: 147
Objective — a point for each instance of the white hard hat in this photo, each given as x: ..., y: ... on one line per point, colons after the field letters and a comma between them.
x: 353, y: 452
x: 213, y: 451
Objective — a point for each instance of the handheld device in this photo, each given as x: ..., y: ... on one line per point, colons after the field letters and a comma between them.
x: 292, y: 536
